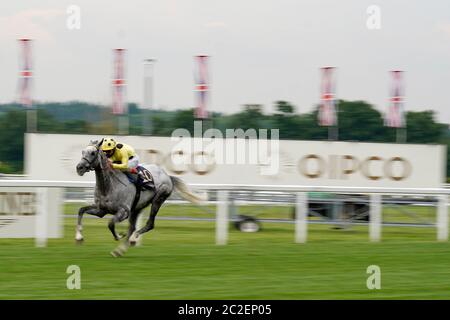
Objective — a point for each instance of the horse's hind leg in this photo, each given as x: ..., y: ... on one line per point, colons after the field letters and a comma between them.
x: 132, y: 228
x: 157, y: 202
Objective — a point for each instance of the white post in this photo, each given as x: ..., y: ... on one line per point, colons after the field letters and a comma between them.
x: 41, y: 217
x: 442, y: 218
x: 139, y: 224
x: 301, y: 217
x: 222, y: 218
x: 375, y: 217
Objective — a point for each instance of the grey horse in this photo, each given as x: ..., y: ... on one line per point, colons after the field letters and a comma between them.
x: 115, y: 194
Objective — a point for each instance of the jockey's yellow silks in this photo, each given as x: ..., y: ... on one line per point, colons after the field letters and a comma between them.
x: 122, y: 155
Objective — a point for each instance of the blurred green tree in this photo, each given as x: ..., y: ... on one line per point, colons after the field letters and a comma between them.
x: 286, y: 120
x: 184, y: 119
x: 250, y: 118
x: 359, y: 121
x: 422, y: 128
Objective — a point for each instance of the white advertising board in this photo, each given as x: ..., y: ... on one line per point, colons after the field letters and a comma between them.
x: 238, y: 161
x: 20, y: 216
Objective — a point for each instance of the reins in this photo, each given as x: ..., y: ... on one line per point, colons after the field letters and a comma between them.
x: 112, y: 171
x: 102, y: 167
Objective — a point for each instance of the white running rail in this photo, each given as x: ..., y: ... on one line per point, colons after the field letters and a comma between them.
x: 222, y: 218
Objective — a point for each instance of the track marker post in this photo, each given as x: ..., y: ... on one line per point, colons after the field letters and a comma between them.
x: 41, y: 217
x: 222, y: 217
x: 375, y: 217
x: 442, y: 218
x: 301, y: 217
x: 140, y: 223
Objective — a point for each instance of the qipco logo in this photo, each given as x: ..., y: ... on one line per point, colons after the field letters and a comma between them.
x: 181, y: 162
x: 344, y: 166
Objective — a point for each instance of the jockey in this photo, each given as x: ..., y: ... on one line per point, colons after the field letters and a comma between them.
x: 121, y: 155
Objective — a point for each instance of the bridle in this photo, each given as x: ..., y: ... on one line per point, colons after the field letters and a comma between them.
x: 91, y: 162
x: 101, y: 164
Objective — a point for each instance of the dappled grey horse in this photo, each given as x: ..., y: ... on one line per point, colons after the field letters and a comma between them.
x: 115, y: 194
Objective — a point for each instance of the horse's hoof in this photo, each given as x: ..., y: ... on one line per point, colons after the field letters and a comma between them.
x: 79, y: 241
x: 132, y: 243
x: 134, y: 238
x: 119, y: 251
x: 116, y: 254
x: 120, y: 236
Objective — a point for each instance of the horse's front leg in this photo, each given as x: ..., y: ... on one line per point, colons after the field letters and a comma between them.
x: 92, y: 209
x: 122, y: 214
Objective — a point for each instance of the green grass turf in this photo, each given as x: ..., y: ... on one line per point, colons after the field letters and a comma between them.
x: 179, y: 260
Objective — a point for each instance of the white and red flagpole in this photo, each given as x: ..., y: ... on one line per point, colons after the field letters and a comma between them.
x: 395, y: 117
x: 25, y: 83
x: 119, y: 106
x: 327, y: 109
x: 201, y: 87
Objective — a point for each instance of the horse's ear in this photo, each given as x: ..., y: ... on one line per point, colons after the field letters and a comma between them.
x: 93, y: 142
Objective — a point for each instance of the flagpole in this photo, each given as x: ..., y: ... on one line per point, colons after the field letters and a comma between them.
x: 327, y: 115
x: 337, y: 120
x: 124, y: 124
x: 120, y: 107
x: 202, y: 87
x: 31, y: 119
x: 401, y: 135
x: 395, y: 116
x: 148, y: 95
x: 25, y: 82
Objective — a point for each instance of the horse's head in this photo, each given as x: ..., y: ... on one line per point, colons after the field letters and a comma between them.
x: 90, y: 158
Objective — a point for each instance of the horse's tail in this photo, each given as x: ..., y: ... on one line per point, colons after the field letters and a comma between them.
x: 184, y: 191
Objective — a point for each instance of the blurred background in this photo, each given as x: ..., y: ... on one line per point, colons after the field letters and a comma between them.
x: 315, y: 70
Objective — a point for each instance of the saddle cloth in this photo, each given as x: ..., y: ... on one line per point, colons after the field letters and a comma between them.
x: 143, y: 179
x: 145, y: 175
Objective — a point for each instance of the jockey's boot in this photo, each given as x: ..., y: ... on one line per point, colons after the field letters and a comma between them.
x: 131, y: 177
x: 140, y: 179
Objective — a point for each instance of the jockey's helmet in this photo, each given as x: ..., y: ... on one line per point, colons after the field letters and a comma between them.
x: 108, y: 144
